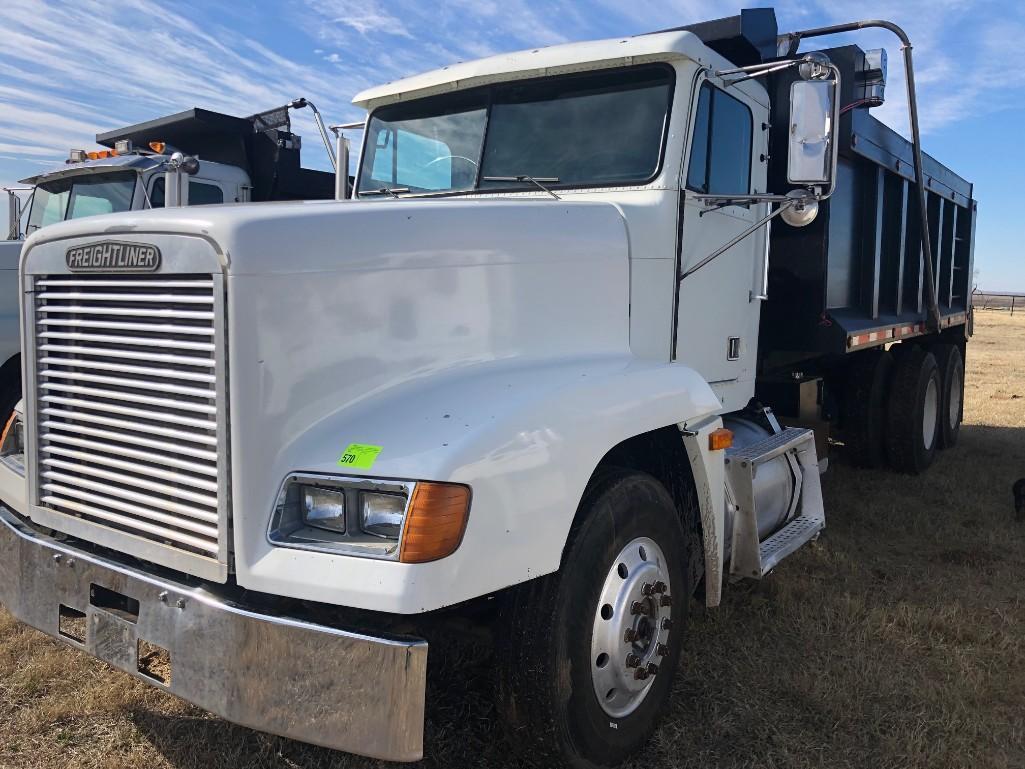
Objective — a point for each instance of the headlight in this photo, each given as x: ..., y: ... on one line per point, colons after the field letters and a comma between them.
x: 12, y: 443
x: 406, y: 521
x: 381, y: 515
x: 323, y: 508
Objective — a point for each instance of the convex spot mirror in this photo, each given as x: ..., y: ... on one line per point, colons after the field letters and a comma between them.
x: 811, y: 158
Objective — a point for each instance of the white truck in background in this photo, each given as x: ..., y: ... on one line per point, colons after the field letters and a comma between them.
x: 547, y: 371
x: 225, y: 159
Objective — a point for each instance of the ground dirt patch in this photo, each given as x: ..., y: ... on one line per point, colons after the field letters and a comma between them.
x: 898, y: 640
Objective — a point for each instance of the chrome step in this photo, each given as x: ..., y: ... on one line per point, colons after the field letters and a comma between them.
x: 752, y: 558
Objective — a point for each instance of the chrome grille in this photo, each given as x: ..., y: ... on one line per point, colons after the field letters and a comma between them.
x: 128, y: 409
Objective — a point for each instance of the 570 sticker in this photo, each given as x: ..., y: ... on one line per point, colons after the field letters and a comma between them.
x: 360, y: 456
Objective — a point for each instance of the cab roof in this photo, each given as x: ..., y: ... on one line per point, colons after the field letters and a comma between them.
x: 538, y: 62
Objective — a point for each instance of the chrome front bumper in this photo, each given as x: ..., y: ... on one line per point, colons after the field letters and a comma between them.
x: 309, y: 682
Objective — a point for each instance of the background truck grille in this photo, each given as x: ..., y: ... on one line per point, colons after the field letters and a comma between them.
x: 128, y: 410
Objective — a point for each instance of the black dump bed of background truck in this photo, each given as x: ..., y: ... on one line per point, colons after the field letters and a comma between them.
x: 262, y: 145
x: 854, y: 278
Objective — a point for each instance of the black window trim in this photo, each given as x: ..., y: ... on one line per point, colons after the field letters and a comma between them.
x: 489, y: 90
x: 159, y: 178
x: 708, y: 145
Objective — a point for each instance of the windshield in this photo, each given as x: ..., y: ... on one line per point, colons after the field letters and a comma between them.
x: 579, y: 131
x: 77, y: 196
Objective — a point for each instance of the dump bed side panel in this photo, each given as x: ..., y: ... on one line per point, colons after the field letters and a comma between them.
x: 855, y: 277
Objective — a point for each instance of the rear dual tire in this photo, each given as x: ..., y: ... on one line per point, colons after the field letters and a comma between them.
x: 913, y: 412
x: 951, y: 367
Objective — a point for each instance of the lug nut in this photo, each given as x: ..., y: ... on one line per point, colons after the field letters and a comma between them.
x: 632, y: 660
x: 661, y: 587
x: 638, y: 607
x: 662, y: 650
x: 640, y: 674
x: 665, y: 601
x: 667, y: 624
x: 647, y: 588
x: 652, y: 669
x: 630, y: 635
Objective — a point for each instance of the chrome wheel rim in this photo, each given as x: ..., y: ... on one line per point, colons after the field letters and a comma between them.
x: 954, y: 412
x: 632, y: 622
x: 930, y: 416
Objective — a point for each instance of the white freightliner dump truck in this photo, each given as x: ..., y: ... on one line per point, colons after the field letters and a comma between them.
x: 546, y: 369
x: 225, y: 159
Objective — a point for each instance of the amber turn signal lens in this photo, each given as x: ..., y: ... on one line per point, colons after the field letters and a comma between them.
x: 720, y: 438
x: 435, y: 522
x: 7, y: 428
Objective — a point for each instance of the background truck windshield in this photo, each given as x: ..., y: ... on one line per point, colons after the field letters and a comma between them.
x: 584, y: 130
x: 78, y: 196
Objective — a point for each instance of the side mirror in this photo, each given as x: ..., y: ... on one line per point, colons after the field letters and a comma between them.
x: 811, y: 158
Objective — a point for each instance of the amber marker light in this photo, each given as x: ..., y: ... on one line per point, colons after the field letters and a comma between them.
x: 435, y: 522
x: 719, y: 439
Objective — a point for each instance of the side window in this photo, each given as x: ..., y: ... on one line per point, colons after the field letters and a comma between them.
x: 156, y: 194
x: 200, y: 194
x: 720, y: 155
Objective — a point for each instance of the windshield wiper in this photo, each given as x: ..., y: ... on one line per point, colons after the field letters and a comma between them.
x: 535, y: 180
x: 393, y: 191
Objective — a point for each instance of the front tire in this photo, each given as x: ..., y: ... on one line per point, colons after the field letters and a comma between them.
x: 572, y: 643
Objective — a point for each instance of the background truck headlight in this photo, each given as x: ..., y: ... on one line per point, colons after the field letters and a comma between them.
x: 12, y: 444
x: 407, y: 521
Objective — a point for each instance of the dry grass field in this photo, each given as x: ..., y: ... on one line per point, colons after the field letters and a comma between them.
x: 898, y: 640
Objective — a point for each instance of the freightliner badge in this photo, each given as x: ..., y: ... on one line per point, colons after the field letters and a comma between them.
x: 113, y: 256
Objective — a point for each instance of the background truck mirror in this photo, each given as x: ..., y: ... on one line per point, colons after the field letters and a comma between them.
x: 811, y: 159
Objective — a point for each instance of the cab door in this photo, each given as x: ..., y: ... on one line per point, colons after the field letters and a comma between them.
x: 718, y: 305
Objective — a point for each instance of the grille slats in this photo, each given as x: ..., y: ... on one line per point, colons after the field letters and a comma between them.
x: 129, y: 522
x: 129, y: 413
x: 142, y: 483
x: 166, y: 328
x: 146, y: 371
x: 135, y: 467
x: 147, y: 456
x: 126, y: 297
x: 139, y: 384
x: 138, y: 312
x: 126, y: 395
x: 170, y: 448
x: 128, y: 424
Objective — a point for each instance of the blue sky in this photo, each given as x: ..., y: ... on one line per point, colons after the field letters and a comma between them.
x: 68, y: 70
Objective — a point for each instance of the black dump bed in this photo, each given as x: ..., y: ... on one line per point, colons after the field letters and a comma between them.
x: 855, y: 277
x: 262, y: 145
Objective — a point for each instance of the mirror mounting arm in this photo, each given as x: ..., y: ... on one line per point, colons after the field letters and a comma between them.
x: 784, y: 205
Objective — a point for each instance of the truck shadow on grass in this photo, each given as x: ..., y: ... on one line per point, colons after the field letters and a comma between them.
x: 896, y: 640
